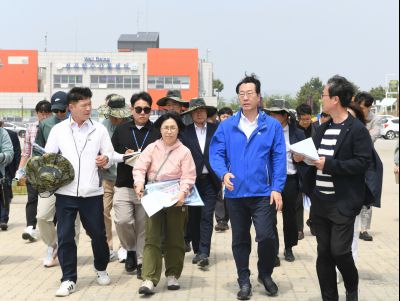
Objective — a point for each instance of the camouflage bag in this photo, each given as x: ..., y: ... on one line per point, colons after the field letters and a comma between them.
x: 49, y: 172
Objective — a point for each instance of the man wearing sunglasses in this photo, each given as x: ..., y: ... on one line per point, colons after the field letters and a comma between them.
x: 132, y: 136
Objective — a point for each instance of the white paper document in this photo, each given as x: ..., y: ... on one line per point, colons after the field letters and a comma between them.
x: 307, y: 149
x: 161, y: 195
x: 131, y: 158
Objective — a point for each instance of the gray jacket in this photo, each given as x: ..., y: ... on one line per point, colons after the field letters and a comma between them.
x: 6, y: 151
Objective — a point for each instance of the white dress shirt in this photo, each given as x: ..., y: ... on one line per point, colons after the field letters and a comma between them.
x: 201, y: 133
x: 246, y: 126
x: 290, y: 167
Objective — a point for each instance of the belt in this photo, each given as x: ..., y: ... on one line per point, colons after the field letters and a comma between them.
x: 203, y: 176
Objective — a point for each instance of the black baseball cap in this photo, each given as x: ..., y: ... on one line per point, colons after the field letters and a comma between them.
x: 59, y: 101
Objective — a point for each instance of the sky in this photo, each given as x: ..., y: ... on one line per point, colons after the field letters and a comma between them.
x: 284, y: 42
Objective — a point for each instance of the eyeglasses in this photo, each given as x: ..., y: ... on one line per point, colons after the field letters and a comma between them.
x: 59, y: 111
x: 167, y: 129
x: 139, y: 110
x: 248, y: 93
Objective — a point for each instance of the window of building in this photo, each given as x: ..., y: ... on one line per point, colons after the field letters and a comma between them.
x: 168, y: 82
x: 67, y: 81
x: 115, y: 81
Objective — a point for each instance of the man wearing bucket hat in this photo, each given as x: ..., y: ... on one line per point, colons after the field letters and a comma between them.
x: 197, y: 138
x: 173, y: 102
x: 294, y: 173
x: 115, y: 112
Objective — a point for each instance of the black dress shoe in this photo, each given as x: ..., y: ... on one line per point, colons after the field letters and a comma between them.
x: 309, y: 224
x: 188, y: 248
x: 277, y: 262
x: 203, y: 261
x: 3, y: 226
x: 245, y: 292
x: 353, y: 296
x: 300, y: 235
x: 139, y: 271
x: 130, y: 262
x: 365, y: 236
x: 288, y: 253
x: 270, y: 287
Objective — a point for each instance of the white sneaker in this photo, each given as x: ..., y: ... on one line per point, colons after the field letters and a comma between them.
x: 122, y: 253
x: 173, y: 283
x: 103, y: 278
x: 51, y: 259
x: 66, y: 288
x: 113, y: 255
x: 147, y: 288
x: 30, y: 234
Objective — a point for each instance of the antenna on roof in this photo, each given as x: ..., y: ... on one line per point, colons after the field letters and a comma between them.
x: 45, y: 42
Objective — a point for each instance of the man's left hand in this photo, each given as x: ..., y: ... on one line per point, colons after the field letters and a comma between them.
x: 276, y: 198
x: 101, y: 161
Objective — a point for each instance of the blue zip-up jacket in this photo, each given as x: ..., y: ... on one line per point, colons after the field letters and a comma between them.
x: 258, y: 164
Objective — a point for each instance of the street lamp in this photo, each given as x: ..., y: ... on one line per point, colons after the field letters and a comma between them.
x: 21, y: 100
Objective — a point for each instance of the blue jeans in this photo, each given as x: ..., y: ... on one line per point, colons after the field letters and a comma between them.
x: 242, y: 212
x: 91, y: 213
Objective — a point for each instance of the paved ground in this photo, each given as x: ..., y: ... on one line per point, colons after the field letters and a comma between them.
x: 22, y: 276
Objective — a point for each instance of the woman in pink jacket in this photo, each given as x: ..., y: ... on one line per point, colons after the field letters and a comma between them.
x: 165, y: 159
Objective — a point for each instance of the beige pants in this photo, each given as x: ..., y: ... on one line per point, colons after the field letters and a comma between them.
x: 108, y: 204
x: 130, y: 220
x: 45, y: 217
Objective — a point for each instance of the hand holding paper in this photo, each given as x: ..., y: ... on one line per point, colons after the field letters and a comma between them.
x: 307, y: 149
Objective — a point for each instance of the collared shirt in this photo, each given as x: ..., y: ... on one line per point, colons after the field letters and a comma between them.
x: 246, y: 126
x: 290, y: 167
x: 80, y: 133
x: 30, y: 137
x: 201, y: 133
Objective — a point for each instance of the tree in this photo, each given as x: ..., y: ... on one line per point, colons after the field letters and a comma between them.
x: 310, y: 93
x: 378, y: 93
x: 218, y: 86
x: 277, y: 100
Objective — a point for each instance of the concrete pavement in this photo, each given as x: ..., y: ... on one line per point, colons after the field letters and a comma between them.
x: 22, y: 276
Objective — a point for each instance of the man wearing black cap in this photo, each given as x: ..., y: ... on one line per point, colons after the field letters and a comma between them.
x: 197, y: 138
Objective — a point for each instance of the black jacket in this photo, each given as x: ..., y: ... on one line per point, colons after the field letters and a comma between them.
x: 348, y: 167
x: 297, y: 135
x: 200, y: 159
x: 12, y: 168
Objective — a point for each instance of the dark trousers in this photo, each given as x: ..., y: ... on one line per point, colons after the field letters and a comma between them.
x: 201, y: 218
x: 242, y: 212
x: 334, y: 233
x: 5, y: 200
x: 31, y: 205
x: 289, y: 198
x: 221, y: 212
x: 91, y: 213
x: 300, y: 212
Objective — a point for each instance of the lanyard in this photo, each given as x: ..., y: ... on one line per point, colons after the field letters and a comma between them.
x: 144, y: 140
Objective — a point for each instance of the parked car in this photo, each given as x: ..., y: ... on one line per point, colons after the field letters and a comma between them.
x: 16, y: 128
x: 390, y: 128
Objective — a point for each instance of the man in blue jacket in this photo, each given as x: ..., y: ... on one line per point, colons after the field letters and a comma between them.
x: 248, y: 153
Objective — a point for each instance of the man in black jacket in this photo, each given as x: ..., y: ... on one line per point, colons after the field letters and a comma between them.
x: 294, y: 174
x: 197, y: 138
x: 337, y: 187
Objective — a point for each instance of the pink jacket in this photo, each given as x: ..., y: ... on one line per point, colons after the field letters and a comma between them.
x: 180, y: 164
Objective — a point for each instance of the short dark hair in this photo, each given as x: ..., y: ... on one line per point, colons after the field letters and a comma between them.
x: 78, y: 93
x: 339, y: 86
x: 357, y: 110
x: 252, y: 79
x: 170, y: 115
x: 323, y: 114
x: 365, y: 97
x: 303, y: 109
x: 225, y: 110
x: 43, y: 106
x: 143, y: 96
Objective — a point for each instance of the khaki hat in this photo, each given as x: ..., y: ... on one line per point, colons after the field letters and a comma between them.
x: 115, y: 107
x: 199, y: 103
x: 276, y: 110
x: 173, y: 95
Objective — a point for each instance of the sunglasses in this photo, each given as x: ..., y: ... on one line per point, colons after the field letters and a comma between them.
x: 139, y: 110
x: 59, y: 111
